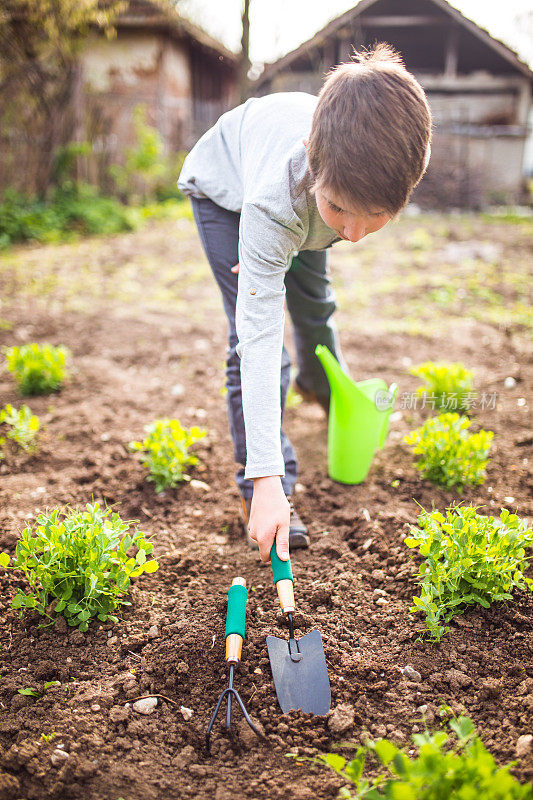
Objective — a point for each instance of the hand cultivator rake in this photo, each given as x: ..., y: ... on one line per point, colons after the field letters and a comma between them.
x: 235, y: 629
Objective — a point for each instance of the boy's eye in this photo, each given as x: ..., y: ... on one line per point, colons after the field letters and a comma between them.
x: 334, y: 207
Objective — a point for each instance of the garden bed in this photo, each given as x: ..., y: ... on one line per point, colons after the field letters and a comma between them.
x: 136, y: 359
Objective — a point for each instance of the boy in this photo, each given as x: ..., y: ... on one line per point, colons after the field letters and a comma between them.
x: 273, y: 184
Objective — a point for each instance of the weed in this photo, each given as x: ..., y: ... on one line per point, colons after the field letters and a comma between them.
x: 165, y: 450
x: 77, y: 564
x: 23, y: 427
x: 466, y: 770
x: 38, y: 369
x: 449, y: 455
x: 448, y: 383
x: 470, y: 559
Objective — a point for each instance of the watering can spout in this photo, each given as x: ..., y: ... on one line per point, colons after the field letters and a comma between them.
x: 341, y: 385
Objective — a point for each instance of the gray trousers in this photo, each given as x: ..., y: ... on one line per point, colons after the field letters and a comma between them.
x: 310, y: 301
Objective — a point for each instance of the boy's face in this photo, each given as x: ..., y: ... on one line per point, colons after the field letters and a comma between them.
x: 349, y: 223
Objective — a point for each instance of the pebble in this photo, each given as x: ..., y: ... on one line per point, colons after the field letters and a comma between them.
x: 186, y: 713
x: 524, y: 745
x: 379, y: 593
x: 59, y: 757
x: 111, y: 642
x: 95, y: 707
x: 153, y: 632
x: 178, y: 390
x: 509, y: 382
x: 412, y: 674
x: 381, y: 601
x: 341, y: 718
x: 182, y: 668
x: 145, y: 706
x: 200, y: 485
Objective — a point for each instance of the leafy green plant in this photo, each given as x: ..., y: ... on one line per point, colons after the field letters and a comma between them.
x: 38, y: 368
x: 464, y: 771
x: 449, y: 455
x: 449, y: 386
x: 469, y: 559
x: 30, y: 691
x: 23, y: 427
x: 77, y: 564
x: 166, y: 453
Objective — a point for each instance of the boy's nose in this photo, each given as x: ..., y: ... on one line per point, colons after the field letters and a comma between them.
x: 354, y: 230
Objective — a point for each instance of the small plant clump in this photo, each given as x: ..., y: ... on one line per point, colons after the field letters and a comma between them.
x: 470, y: 559
x: 165, y: 450
x: 22, y: 427
x: 449, y: 455
x: 38, y: 368
x: 77, y: 564
x: 464, y: 770
x: 448, y: 386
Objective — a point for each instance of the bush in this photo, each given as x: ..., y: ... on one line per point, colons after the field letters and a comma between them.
x: 38, y: 369
x: 470, y: 559
x: 449, y: 455
x: 23, y: 427
x: 165, y: 450
x: 448, y: 386
x: 466, y: 770
x: 72, y: 208
x: 77, y: 564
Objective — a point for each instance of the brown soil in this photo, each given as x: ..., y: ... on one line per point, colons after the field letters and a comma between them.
x: 126, y: 364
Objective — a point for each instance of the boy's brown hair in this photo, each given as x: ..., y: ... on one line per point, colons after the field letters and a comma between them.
x: 371, y: 132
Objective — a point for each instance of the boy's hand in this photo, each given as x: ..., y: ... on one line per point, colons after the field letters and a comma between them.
x: 270, y: 517
x: 235, y: 269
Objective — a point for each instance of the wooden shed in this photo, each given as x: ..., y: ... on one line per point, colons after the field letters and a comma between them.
x: 161, y: 60
x: 478, y: 89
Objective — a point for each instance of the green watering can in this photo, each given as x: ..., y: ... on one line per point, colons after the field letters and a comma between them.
x: 358, y: 420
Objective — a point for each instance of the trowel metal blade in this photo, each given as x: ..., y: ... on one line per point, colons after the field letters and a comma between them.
x: 305, y: 684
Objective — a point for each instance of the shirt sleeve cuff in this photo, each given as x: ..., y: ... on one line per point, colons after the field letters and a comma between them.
x: 263, y: 470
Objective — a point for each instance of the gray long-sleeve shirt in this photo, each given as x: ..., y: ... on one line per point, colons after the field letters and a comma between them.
x: 253, y: 160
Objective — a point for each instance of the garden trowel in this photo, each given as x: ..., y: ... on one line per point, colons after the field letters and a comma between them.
x: 298, y: 666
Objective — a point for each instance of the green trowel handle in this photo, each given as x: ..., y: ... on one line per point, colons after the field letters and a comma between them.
x: 236, y: 613
x: 281, y: 570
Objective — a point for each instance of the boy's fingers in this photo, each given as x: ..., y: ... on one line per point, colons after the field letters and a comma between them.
x: 265, y: 546
x: 282, y: 542
x: 235, y: 269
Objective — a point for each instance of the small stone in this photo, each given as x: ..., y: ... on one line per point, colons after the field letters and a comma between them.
x: 153, y: 632
x: 524, y: 745
x: 299, y: 488
x: 379, y: 593
x: 381, y: 601
x: 412, y: 674
x: 178, y: 390
x: 258, y: 671
x: 119, y: 714
x: 145, y: 706
x: 186, y: 713
x: 200, y: 485
x: 111, y: 642
x: 509, y: 382
x: 59, y: 757
x: 95, y: 707
x: 508, y: 499
x: 341, y: 718
x: 182, y: 668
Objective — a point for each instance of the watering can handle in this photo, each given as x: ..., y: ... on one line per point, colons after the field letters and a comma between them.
x: 282, y: 574
x: 236, y: 619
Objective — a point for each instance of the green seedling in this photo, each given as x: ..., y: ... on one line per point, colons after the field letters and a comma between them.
x: 448, y: 386
x: 30, y: 691
x: 22, y: 427
x: 38, y: 369
x: 165, y: 450
x: 77, y: 564
x: 443, y: 768
x: 470, y: 559
x: 449, y: 455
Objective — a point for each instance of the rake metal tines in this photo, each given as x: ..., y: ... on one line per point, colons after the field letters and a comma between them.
x: 235, y: 630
